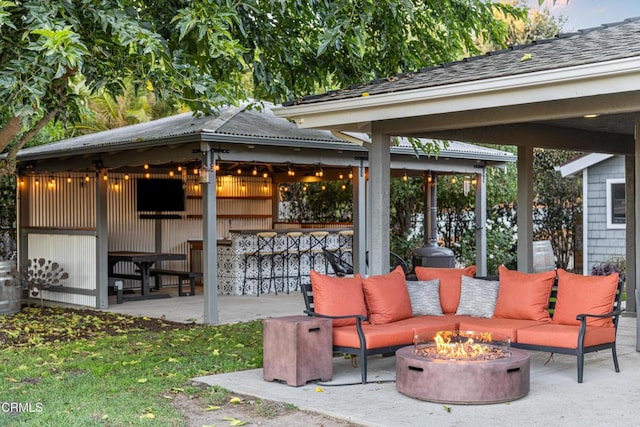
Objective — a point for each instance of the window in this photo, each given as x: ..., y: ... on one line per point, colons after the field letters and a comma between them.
x: 616, y: 204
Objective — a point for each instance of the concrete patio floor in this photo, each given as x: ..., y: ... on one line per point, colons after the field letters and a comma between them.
x: 606, y: 398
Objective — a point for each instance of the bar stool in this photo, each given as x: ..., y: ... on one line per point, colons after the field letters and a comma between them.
x: 345, y: 246
x: 292, y: 258
x: 317, y: 244
x: 265, y: 256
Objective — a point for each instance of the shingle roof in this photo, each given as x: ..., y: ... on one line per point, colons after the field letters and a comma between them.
x: 600, y: 44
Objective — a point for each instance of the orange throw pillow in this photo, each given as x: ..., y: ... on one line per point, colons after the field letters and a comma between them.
x: 450, y: 283
x: 523, y: 295
x: 579, y: 294
x: 387, y: 297
x: 338, y: 296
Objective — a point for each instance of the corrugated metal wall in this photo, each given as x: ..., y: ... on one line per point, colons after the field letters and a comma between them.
x: 67, y: 201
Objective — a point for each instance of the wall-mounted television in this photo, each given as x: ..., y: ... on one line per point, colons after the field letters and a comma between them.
x: 159, y: 195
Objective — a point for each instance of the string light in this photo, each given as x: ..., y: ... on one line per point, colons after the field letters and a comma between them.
x: 405, y: 178
x: 146, y: 166
x: 265, y: 175
x: 454, y: 180
x: 86, y: 178
x: 171, y: 174
x: 126, y: 177
x: 254, y: 172
x: 350, y: 175
x: 69, y: 180
x: 340, y: 175
x: 239, y: 171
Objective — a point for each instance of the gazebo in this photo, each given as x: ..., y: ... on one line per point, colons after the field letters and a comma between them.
x: 77, y: 197
x: 578, y: 91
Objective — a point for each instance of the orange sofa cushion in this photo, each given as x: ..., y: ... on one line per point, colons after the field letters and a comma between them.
x: 450, y: 283
x: 338, y: 296
x: 565, y: 336
x: 523, y: 295
x: 500, y: 327
x: 387, y: 297
x: 390, y: 334
x: 579, y: 294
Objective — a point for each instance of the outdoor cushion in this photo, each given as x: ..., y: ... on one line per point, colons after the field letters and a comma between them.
x: 565, y: 336
x: 477, y: 297
x: 579, y: 294
x: 450, y: 282
x: 523, y: 295
x: 387, y: 297
x: 504, y: 327
x: 390, y: 334
x: 338, y: 296
x: 425, y: 297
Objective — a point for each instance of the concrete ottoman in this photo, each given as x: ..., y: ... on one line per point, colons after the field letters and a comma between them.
x: 297, y: 349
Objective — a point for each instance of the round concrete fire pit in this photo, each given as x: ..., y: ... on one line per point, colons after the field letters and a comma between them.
x: 463, y: 382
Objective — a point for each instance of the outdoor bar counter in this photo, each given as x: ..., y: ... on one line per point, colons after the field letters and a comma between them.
x: 283, y: 266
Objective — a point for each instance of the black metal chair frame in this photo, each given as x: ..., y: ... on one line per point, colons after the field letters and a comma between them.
x: 580, y: 349
x: 362, y: 352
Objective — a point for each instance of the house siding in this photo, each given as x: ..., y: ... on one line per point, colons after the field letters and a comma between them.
x: 604, y: 243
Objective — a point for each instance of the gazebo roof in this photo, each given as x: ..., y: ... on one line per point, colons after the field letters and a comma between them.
x: 238, y: 127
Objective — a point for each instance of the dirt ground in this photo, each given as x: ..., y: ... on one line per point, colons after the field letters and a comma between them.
x: 250, y: 412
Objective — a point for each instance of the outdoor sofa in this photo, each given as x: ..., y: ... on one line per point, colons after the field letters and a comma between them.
x: 555, y: 311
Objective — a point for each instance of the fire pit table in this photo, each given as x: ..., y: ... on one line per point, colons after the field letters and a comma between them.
x: 476, y: 369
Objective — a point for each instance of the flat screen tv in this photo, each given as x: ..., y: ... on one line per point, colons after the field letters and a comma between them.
x: 159, y: 195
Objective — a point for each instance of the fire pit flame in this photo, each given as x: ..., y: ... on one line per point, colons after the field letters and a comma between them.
x: 461, y: 346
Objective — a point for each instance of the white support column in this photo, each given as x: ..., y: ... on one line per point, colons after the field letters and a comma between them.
x: 636, y: 220
x: 630, y: 202
x: 210, y: 237
x: 481, y: 221
x: 359, y: 220
x: 102, y: 242
x: 585, y: 222
x: 525, y: 209
x: 380, y: 183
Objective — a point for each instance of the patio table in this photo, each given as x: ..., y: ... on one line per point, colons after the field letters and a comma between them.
x: 143, y: 261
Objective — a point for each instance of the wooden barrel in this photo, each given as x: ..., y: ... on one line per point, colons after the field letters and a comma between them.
x: 10, y: 290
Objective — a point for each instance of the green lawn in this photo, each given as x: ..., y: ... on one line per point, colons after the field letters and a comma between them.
x: 85, y: 368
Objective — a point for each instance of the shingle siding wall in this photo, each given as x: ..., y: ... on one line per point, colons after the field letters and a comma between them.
x: 603, y: 243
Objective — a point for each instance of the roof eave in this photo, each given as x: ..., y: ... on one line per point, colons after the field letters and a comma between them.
x: 581, y: 81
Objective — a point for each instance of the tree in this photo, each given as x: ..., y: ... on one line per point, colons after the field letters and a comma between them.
x: 557, y: 205
x: 207, y: 53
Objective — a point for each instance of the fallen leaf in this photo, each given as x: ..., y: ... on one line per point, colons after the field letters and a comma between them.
x: 216, y: 352
x: 234, y: 421
x: 526, y: 57
x: 235, y: 400
x: 172, y: 360
x: 446, y: 408
x: 319, y: 389
x: 148, y: 415
x: 212, y: 408
x: 142, y: 380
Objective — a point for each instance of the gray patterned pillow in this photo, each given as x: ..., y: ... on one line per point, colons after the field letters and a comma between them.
x: 425, y: 297
x: 477, y: 297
